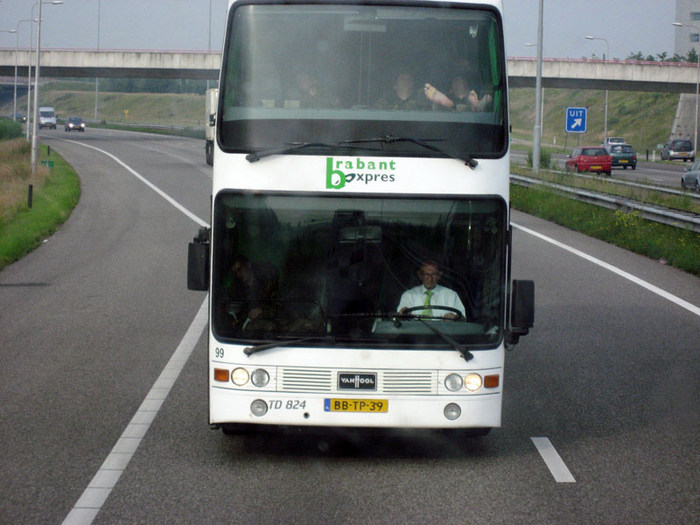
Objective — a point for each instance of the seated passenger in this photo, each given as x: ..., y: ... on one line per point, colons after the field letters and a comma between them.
x: 308, y: 94
x: 430, y: 293
x: 404, y: 95
x: 463, y: 98
x: 253, y: 290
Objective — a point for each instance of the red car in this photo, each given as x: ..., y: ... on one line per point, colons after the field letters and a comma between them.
x: 593, y: 158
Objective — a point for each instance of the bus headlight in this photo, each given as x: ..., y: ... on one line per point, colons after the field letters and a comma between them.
x: 452, y: 411
x: 473, y: 382
x: 258, y: 408
x: 453, y: 382
x: 260, y: 378
x: 240, y: 376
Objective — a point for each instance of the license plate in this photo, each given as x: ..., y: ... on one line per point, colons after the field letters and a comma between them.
x: 596, y: 167
x: 356, y: 405
x: 624, y: 161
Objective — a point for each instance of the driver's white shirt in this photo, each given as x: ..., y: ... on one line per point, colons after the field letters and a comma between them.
x: 441, y: 297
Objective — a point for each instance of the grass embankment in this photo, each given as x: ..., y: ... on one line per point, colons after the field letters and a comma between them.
x: 674, y: 246
x: 610, y: 186
x: 166, y: 110
x: 643, y: 119
x: 56, y: 191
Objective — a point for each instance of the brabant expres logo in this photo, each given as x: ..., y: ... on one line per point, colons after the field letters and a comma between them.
x: 342, y: 172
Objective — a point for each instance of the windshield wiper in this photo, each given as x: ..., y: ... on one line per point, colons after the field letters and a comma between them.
x: 424, y: 143
x: 462, y: 349
x: 395, y: 317
x: 294, y: 146
x: 250, y: 350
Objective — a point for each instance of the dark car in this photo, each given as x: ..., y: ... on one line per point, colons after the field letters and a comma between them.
x: 592, y: 158
x: 623, y: 155
x: 75, y: 123
x: 17, y: 117
x: 678, y: 149
x: 691, y: 177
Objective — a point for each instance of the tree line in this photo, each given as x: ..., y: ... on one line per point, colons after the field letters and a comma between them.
x: 691, y: 57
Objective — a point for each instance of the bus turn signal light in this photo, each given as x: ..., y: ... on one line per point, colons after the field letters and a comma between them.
x: 221, y: 374
x: 492, y: 381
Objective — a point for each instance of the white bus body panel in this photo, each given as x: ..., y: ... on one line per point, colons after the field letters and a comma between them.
x: 388, y: 175
x: 416, y: 394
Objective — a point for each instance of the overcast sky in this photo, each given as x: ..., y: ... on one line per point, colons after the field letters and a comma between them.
x: 628, y: 25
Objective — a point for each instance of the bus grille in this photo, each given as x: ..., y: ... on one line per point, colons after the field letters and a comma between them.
x: 408, y: 382
x: 391, y: 382
x: 306, y: 380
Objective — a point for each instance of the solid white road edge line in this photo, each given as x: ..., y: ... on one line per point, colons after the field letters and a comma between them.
x: 145, y: 181
x: 97, y: 492
x: 553, y: 460
x: 644, y: 284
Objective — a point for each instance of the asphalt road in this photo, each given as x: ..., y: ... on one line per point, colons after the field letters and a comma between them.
x: 606, y: 383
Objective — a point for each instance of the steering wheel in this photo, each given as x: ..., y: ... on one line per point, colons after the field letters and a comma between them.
x: 435, y: 307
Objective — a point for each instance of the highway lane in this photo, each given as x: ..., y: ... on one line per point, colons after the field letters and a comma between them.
x: 609, y: 375
x: 90, y: 319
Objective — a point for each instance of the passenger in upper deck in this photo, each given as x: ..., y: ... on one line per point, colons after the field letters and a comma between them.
x: 404, y: 95
x: 462, y: 98
x: 308, y: 93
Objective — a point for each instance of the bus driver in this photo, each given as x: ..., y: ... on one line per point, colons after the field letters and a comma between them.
x: 430, y: 293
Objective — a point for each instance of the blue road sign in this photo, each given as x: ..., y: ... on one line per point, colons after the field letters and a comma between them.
x: 576, y: 120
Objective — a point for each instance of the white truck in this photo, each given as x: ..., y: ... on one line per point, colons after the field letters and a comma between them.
x: 211, y: 98
x: 47, y: 117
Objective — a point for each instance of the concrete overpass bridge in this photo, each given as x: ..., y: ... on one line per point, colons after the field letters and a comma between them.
x: 669, y: 77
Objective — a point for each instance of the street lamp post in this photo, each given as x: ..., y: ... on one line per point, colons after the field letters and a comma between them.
x: 14, y: 95
x: 697, y: 86
x: 97, y: 79
x: 36, y: 82
x: 607, y: 54
x: 14, y: 110
x: 537, y: 131
x: 530, y: 44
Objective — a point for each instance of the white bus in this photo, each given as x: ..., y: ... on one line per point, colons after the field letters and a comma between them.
x: 362, y: 150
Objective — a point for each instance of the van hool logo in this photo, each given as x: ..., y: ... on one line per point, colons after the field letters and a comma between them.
x: 342, y: 172
x: 356, y: 381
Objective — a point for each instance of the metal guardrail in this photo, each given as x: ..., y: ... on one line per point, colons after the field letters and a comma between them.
x: 677, y: 218
x: 660, y: 189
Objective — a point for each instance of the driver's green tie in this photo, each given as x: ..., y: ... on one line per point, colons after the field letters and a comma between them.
x: 428, y: 311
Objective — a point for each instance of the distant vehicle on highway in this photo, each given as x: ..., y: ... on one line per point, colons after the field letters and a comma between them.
x: 75, y: 123
x: 623, y: 155
x: 678, y: 149
x: 691, y: 178
x: 610, y: 141
x: 590, y: 158
x: 17, y: 117
x: 47, y: 117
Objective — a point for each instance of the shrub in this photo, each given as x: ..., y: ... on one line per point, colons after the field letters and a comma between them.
x: 9, y: 129
x: 545, y: 159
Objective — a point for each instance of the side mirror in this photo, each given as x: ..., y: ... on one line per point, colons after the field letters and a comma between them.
x: 198, y: 262
x: 522, y: 311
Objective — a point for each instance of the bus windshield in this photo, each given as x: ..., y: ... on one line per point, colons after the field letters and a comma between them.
x: 327, y: 74
x: 336, y: 267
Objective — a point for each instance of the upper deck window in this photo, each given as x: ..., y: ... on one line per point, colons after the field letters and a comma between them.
x: 334, y: 73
